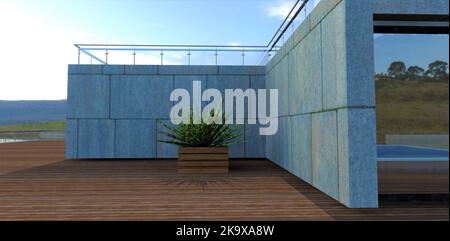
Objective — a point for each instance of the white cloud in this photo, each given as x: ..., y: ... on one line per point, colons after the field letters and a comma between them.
x: 280, y: 9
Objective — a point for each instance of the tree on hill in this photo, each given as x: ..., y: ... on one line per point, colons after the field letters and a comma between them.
x: 438, y: 70
x: 415, y: 72
x: 397, y: 70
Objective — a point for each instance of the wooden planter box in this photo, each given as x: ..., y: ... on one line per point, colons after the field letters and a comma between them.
x: 203, y: 159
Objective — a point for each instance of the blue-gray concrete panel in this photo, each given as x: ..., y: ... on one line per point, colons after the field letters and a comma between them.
x: 302, y: 30
x: 85, y: 69
x: 185, y: 82
x: 284, y: 143
x: 241, y: 70
x: 410, y: 7
x: 279, y: 145
x: 255, y: 144
x: 305, y: 75
x: 301, y: 146
x: 360, y: 55
x: 280, y: 77
x: 71, y: 138
x: 135, y: 139
x: 141, y: 96
x: 188, y: 70
x: 88, y: 96
x: 222, y: 82
x: 323, y: 9
x: 113, y: 69
x: 95, y: 139
x: 238, y: 150
x: 334, y: 59
x: 325, y: 153
x: 141, y: 69
x: 164, y: 150
x: 357, y: 158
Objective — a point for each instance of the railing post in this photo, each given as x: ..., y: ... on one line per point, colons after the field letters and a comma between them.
x: 134, y: 56
x: 106, y: 56
x: 217, y: 58
x: 189, y: 57
x: 243, y: 57
x: 306, y: 14
x: 79, y: 55
x: 162, y: 55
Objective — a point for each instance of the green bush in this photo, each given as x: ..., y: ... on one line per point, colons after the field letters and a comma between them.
x: 205, y: 134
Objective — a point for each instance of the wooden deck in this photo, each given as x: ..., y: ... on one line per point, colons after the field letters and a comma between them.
x: 413, y: 177
x: 36, y: 183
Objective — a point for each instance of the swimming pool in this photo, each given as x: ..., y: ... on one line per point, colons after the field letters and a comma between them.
x: 410, y: 153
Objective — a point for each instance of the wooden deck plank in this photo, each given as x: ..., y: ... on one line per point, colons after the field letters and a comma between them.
x: 36, y: 183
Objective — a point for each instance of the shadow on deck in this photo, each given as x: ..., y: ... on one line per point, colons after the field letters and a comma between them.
x: 36, y: 183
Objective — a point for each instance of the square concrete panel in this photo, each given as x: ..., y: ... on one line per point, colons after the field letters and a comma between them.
x: 284, y: 143
x: 85, y: 69
x: 185, y: 82
x: 255, y: 143
x: 113, y: 69
x: 141, y: 69
x: 270, y: 149
x: 279, y: 145
x: 241, y: 70
x: 305, y: 75
x: 88, y: 96
x: 188, y: 70
x: 135, y: 139
x: 301, y: 146
x: 238, y: 150
x: 71, y: 138
x: 96, y: 139
x: 259, y: 83
x: 360, y: 54
x: 302, y: 31
x: 279, y: 76
x: 406, y: 7
x: 165, y: 150
x: 334, y: 59
x: 141, y: 96
x: 222, y: 82
x: 357, y: 158
x: 323, y: 9
x: 325, y: 153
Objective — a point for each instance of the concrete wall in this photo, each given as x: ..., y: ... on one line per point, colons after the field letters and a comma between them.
x: 327, y: 104
x: 114, y: 111
x: 324, y: 73
x: 410, y: 6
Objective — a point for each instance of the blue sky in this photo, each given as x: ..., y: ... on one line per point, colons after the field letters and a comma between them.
x: 412, y: 49
x: 38, y: 36
x: 164, y: 21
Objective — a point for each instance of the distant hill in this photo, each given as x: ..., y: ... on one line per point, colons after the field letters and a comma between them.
x: 17, y: 112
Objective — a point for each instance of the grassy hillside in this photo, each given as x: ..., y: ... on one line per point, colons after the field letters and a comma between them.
x: 411, y: 107
x: 18, y: 112
x: 56, y: 125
